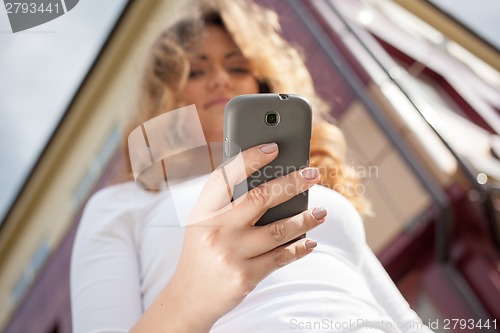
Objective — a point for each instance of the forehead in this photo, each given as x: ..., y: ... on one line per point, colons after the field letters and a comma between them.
x: 216, y: 40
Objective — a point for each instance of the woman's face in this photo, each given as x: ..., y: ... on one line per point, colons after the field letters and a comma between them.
x: 218, y: 72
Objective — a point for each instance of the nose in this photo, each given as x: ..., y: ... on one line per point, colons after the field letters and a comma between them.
x: 219, y: 78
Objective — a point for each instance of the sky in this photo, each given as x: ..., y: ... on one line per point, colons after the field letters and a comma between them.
x: 482, y: 16
x: 40, y: 70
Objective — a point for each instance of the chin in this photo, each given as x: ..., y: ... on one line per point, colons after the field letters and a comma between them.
x: 216, y: 109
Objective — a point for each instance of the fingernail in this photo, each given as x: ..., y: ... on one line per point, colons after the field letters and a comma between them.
x: 269, y: 148
x: 310, y: 173
x: 319, y: 213
x: 310, y: 244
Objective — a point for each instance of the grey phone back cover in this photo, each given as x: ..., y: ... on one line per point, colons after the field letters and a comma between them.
x: 245, y: 127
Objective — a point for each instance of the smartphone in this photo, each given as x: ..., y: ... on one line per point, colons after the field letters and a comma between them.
x: 286, y: 119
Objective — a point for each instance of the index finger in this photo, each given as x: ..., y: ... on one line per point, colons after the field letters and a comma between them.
x: 218, y: 190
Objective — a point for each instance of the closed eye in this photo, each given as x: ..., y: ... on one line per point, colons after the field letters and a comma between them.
x: 242, y: 70
x: 195, y: 73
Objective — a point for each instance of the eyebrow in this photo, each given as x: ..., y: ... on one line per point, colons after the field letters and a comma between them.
x: 233, y: 54
x: 228, y: 55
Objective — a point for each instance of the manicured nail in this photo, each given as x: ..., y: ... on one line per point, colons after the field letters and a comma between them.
x: 310, y: 244
x: 269, y: 148
x: 310, y: 173
x: 319, y: 213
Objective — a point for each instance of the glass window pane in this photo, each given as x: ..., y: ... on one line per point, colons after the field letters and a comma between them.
x: 42, y: 68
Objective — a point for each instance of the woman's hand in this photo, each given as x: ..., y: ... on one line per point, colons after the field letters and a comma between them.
x: 224, y: 255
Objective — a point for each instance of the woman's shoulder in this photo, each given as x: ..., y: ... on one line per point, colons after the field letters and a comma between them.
x: 127, y: 194
x: 118, y: 203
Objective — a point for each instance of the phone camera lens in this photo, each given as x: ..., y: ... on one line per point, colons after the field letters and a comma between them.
x: 272, y: 118
x: 283, y: 97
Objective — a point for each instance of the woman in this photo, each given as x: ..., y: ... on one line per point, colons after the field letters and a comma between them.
x: 223, y: 274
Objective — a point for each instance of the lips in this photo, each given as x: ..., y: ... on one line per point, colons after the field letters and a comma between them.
x: 217, y: 101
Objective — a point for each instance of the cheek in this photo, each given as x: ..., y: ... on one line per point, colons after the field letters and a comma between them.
x: 192, y: 92
x: 248, y: 86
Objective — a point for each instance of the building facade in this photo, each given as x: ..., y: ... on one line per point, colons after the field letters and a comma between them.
x: 399, y: 77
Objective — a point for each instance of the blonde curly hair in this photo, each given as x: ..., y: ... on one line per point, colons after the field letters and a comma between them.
x: 277, y: 65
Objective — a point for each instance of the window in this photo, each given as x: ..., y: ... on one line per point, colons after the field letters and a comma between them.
x: 42, y: 68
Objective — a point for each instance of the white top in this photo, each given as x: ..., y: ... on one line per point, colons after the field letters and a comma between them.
x: 127, y: 249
